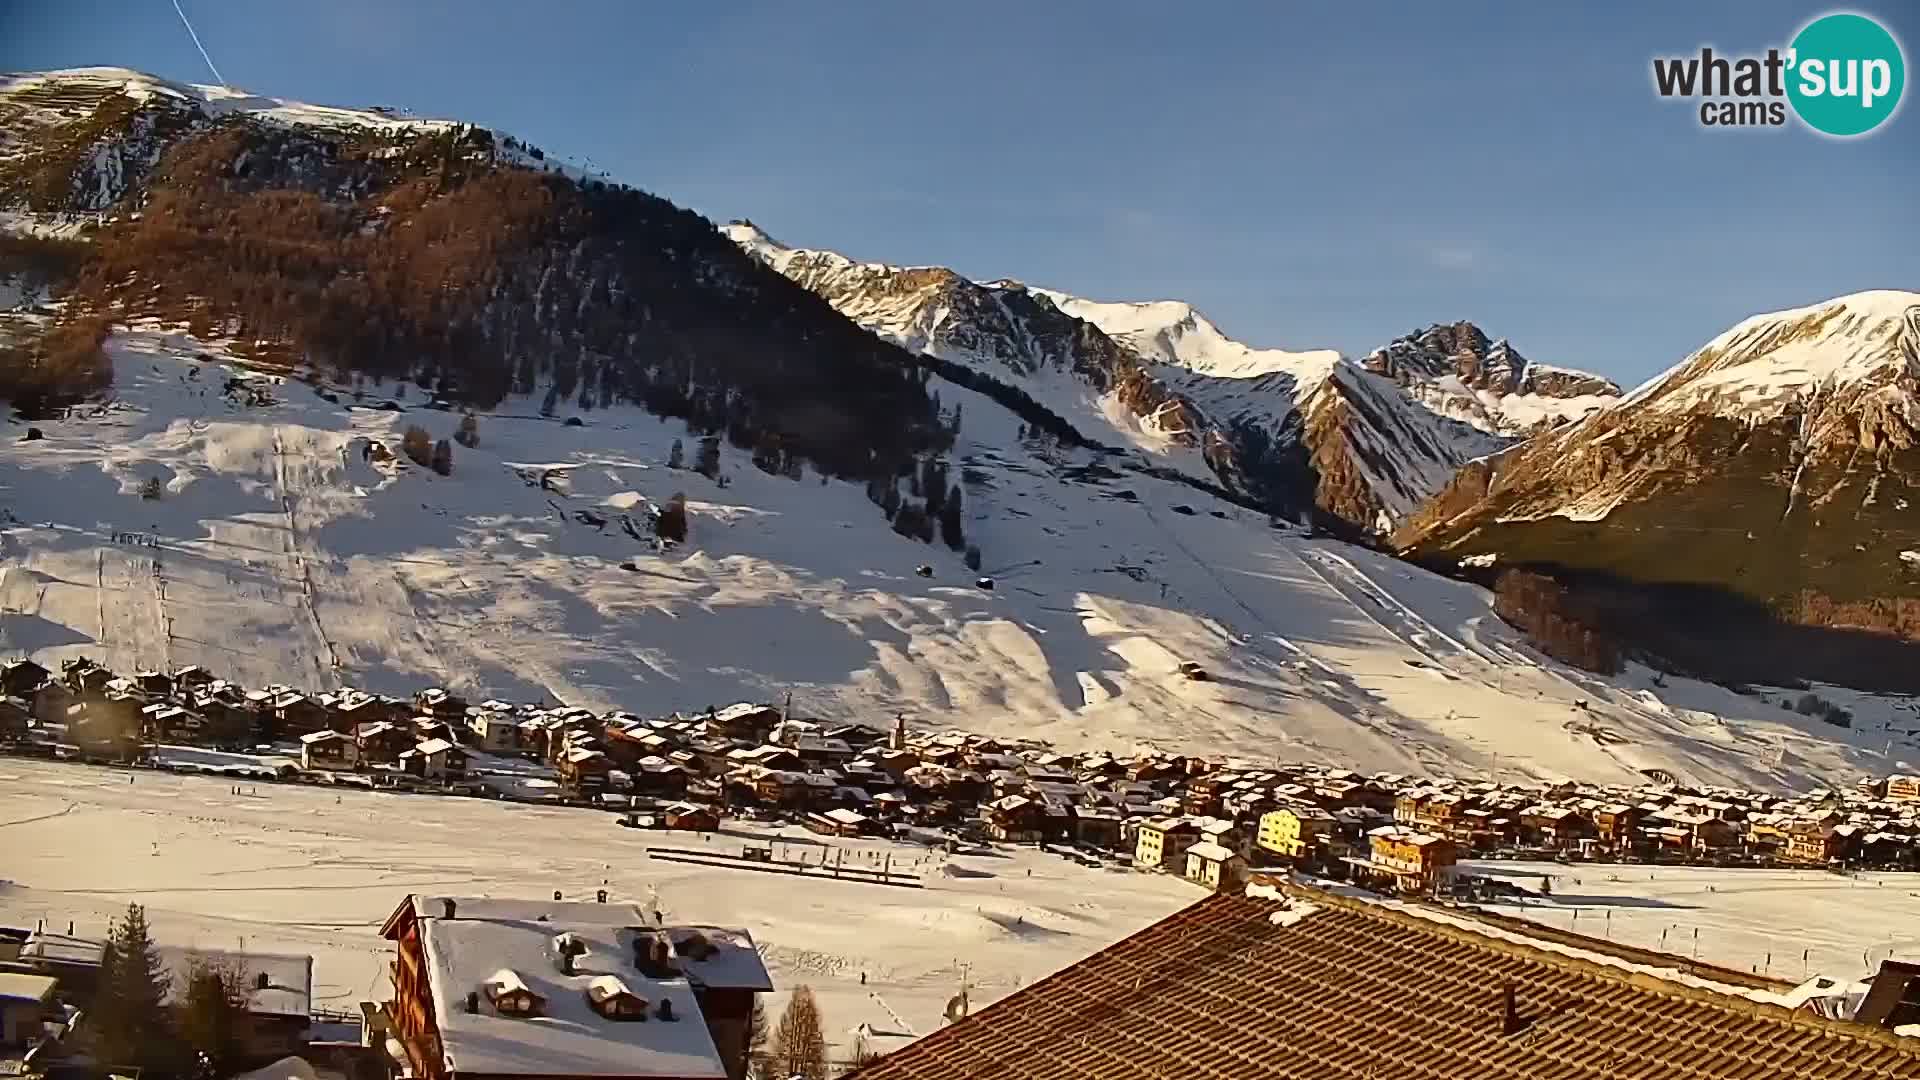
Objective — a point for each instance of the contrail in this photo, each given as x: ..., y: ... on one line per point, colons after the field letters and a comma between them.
x: 196, y: 44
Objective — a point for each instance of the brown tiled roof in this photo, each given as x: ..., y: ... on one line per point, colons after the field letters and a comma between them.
x: 1357, y: 991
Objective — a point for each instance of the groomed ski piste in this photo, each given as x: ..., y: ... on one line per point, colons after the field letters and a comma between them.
x: 281, y: 548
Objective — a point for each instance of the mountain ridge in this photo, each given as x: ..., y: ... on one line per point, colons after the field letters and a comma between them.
x: 1375, y: 449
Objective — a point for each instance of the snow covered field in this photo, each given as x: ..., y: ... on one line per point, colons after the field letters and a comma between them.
x: 278, y: 552
x: 298, y: 869
x: 1759, y: 920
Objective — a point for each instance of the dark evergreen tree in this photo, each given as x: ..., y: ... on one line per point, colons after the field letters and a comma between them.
x: 677, y: 457
x: 951, y: 530
x: 707, y: 461
x: 672, y: 522
x: 128, y: 1018
x: 213, y: 1015
x: 443, y: 458
x: 973, y: 557
x: 890, y: 500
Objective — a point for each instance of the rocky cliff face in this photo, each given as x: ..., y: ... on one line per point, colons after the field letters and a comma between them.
x: 1457, y: 371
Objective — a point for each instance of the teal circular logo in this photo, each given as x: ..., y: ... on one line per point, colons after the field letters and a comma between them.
x: 1845, y: 76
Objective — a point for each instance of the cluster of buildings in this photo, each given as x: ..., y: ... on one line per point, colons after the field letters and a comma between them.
x: 1207, y: 819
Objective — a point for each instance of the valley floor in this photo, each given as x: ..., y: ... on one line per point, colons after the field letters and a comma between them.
x: 315, y: 870
x: 281, y: 868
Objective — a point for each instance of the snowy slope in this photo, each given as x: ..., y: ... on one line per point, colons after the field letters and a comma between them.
x: 279, y: 552
x: 1172, y: 332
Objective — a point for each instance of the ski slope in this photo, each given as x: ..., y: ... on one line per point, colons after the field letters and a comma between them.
x: 280, y: 552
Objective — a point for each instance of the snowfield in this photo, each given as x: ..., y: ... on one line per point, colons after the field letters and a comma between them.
x: 282, y: 549
x: 283, y: 868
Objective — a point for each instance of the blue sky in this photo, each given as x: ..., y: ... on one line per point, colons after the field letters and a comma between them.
x: 1306, y: 176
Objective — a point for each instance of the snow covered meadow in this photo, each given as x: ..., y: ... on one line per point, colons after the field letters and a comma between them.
x: 284, y: 868
x: 278, y: 550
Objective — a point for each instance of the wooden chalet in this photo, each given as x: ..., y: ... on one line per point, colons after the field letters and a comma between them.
x: 295, y: 714
x: 435, y: 759
x: 328, y: 749
x: 15, y: 717
x: 1014, y: 819
x: 585, y: 769
x: 19, y: 678
x: 382, y: 742
x: 491, y: 989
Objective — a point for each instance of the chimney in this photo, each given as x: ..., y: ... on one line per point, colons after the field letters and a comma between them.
x: 666, y: 1010
x: 473, y: 1001
x: 448, y: 907
x: 566, y: 962
x: 1509, y: 1012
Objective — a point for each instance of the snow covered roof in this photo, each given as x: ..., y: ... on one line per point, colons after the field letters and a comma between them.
x: 570, y: 1036
x: 1212, y: 852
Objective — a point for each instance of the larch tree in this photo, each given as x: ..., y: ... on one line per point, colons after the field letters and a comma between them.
x: 800, y: 1041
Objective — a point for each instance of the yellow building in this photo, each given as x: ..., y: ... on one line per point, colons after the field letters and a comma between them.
x: 1214, y: 866
x: 1413, y: 861
x: 1163, y: 844
x: 1294, y: 833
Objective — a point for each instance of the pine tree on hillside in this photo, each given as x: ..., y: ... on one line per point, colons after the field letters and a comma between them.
x: 672, y: 522
x: 950, y: 526
x: 800, y: 1042
x: 468, y: 434
x: 889, y: 500
x: 128, y: 1017
x: 443, y: 458
x: 417, y: 445
x: 973, y: 557
x: 707, y: 461
x: 677, y: 457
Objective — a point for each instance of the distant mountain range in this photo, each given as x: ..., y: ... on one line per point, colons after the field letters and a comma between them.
x: 1376, y: 437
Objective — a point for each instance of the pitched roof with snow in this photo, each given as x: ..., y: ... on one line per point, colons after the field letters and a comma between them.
x: 486, y: 937
x: 1341, y: 989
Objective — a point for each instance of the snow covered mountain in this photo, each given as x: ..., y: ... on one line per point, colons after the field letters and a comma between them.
x: 1780, y: 463
x: 430, y: 251
x: 1379, y: 437
x: 211, y: 512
